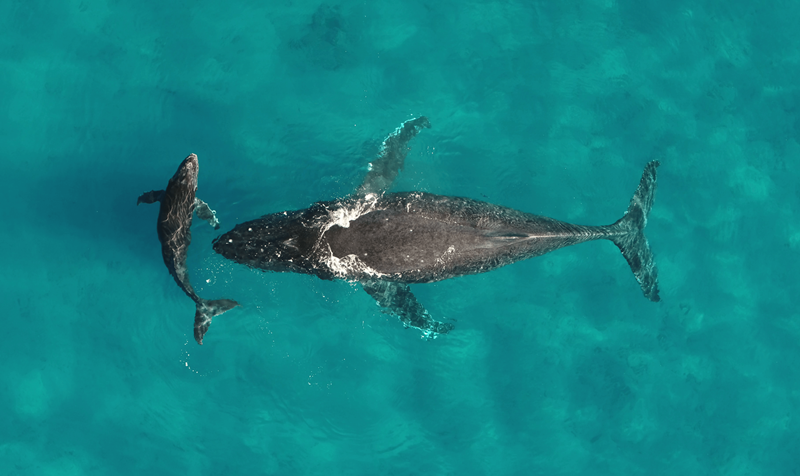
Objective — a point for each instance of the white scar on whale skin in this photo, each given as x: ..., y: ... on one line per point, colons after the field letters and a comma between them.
x: 343, y: 216
x: 350, y: 267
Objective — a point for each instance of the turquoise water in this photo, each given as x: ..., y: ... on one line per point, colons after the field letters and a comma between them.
x: 557, y: 365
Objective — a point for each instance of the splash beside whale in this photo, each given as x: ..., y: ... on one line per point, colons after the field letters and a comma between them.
x: 387, y: 241
x: 178, y: 203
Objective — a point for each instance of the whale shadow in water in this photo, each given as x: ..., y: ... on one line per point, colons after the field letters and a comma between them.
x: 387, y: 241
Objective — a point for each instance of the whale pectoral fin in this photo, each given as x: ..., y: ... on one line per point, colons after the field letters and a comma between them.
x: 384, y: 169
x: 152, y: 196
x: 397, y: 299
x: 204, y: 212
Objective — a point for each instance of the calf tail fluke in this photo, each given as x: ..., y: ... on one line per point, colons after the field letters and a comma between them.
x: 205, y: 311
x: 628, y: 234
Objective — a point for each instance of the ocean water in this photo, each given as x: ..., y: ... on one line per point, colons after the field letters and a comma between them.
x: 557, y: 365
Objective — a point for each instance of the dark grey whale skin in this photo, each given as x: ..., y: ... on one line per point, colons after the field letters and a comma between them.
x: 410, y: 237
x: 387, y: 241
x: 178, y: 203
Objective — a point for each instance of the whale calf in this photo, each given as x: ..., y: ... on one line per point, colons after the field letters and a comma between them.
x: 387, y: 241
x: 178, y: 203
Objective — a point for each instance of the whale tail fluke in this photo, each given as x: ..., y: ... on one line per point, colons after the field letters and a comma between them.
x: 628, y: 234
x: 205, y: 311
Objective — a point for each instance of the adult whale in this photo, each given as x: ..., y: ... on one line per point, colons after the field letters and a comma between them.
x: 389, y: 240
x: 178, y: 203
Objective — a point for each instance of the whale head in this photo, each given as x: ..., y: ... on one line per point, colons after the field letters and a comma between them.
x: 277, y: 242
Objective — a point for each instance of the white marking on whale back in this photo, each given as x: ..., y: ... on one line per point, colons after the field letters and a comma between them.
x: 342, y: 216
x: 441, y: 260
x: 347, y: 212
x: 349, y: 267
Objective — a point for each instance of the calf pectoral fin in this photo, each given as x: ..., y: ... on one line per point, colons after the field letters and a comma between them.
x: 397, y: 299
x: 204, y: 212
x: 152, y: 196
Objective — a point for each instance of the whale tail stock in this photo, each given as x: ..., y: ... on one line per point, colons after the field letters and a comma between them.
x: 628, y: 234
x: 205, y: 311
